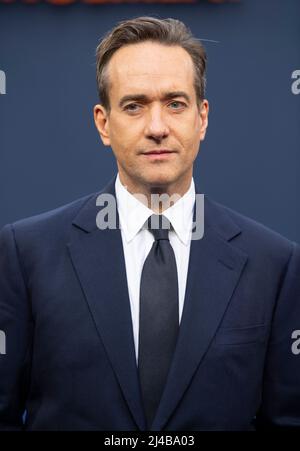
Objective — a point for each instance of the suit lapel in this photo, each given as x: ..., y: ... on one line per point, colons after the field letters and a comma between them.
x: 98, y: 259
x: 215, y: 267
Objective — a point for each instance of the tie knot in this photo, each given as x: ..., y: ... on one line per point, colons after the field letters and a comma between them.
x: 159, y: 226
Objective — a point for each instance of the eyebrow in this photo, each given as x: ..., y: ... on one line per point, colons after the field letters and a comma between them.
x: 144, y: 98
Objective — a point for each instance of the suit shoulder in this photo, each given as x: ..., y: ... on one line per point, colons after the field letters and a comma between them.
x: 253, y: 233
x: 50, y: 221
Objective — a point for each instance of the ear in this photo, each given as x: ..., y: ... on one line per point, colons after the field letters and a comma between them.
x: 204, y: 110
x: 101, y: 118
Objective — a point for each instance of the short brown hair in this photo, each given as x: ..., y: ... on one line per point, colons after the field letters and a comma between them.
x: 169, y: 31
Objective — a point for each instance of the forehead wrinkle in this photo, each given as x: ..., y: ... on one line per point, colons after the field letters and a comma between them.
x: 142, y: 82
x: 140, y: 66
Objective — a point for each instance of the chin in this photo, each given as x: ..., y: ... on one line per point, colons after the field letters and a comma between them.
x: 160, y: 180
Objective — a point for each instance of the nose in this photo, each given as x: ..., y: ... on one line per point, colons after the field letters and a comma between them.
x: 156, y: 127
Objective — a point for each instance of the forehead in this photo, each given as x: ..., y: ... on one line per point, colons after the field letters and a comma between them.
x: 150, y: 67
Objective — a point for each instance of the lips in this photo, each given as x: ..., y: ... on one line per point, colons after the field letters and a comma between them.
x: 159, y: 155
x: 158, y: 152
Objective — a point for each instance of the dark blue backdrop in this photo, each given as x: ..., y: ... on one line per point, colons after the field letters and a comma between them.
x: 50, y: 153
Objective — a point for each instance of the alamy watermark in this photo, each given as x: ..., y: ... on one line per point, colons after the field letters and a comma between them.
x: 2, y: 342
x: 296, y: 84
x: 107, y: 216
x: 296, y: 343
x: 2, y: 82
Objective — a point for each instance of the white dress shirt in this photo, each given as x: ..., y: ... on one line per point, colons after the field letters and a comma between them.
x: 137, y: 242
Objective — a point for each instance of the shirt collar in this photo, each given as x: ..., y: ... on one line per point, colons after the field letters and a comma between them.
x: 133, y: 213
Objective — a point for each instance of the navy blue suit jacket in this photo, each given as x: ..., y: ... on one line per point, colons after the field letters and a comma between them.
x: 70, y: 359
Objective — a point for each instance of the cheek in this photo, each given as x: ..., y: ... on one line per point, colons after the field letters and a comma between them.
x: 197, y: 126
x: 190, y: 136
x: 195, y: 134
x: 124, y: 135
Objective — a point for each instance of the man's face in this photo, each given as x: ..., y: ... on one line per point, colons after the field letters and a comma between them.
x: 160, y: 114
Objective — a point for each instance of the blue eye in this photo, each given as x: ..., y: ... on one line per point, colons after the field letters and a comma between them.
x: 181, y: 104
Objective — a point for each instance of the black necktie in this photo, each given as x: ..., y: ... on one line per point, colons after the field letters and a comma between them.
x: 159, y: 315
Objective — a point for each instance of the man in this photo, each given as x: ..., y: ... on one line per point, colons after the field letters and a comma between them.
x: 137, y: 326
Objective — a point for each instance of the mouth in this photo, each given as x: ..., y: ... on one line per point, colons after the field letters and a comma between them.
x: 158, y: 154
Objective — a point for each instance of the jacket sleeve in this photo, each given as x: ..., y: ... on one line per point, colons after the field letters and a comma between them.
x: 15, y: 334
x: 280, y: 407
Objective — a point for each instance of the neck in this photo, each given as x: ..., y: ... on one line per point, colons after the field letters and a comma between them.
x: 157, y: 197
